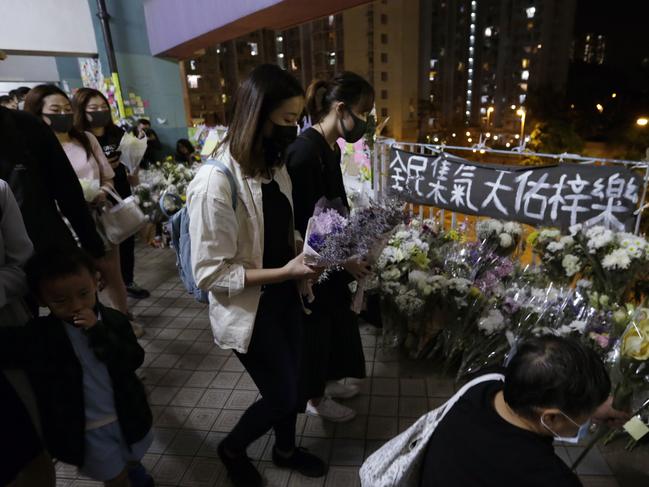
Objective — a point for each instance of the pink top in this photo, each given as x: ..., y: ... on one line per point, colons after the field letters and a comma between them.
x: 95, y: 166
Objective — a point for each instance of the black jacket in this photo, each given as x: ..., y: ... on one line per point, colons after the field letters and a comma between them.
x: 44, y: 350
x: 40, y: 175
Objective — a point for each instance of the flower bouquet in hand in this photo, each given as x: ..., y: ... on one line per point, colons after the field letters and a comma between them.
x: 90, y: 188
x: 334, y: 238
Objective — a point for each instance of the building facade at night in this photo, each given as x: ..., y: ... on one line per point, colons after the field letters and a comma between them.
x: 435, y: 64
x: 487, y: 56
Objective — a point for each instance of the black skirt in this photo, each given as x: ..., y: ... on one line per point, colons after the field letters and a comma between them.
x: 332, y: 341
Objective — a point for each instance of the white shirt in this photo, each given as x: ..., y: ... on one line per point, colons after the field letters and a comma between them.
x: 225, y: 242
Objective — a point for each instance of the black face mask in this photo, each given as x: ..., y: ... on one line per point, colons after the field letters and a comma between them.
x: 357, y: 131
x: 98, y: 119
x: 61, y: 122
x: 274, y: 146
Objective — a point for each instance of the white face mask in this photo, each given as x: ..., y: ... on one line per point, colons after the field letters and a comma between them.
x: 581, y: 433
x: 21, y: 105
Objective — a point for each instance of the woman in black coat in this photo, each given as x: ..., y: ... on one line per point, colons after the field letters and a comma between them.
x: 333, y: 348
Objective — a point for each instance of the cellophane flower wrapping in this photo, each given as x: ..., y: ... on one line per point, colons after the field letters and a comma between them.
x: 132, y: 149
x: 630, y: 359
x: 333, y: 238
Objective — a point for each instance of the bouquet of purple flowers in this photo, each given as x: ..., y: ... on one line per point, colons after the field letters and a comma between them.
x: 334, y: 237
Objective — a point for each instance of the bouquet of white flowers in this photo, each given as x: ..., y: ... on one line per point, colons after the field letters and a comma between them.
x: 90, y: 189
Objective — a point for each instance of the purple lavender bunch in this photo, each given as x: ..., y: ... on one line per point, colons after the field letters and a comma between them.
x: 324, y: 225
x: 365, y: 229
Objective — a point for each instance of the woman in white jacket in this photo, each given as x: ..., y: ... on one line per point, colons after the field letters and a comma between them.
x: 244, y: 252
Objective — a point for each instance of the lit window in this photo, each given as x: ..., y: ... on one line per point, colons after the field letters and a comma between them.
x: 281, y: 55
x: 192, y: 64
x: 530, y: 12
x: 488, y: 32
x: 224, y: 98
x: 525, y: 63
x: 280, y: 38
x: 523, y: 86
x: 293, y: 65
x: 331, y: 20
x: 254, y: 49
x: 192, y: 80
x: 525, y: 75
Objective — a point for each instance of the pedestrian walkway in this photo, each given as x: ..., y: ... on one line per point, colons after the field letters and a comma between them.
x: 198, y: 392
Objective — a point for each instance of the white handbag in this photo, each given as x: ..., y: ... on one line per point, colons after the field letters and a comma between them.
x: 398, y: 462
x: 122, y: 220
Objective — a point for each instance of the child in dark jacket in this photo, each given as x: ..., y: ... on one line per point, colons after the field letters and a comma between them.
x: 81, y: 360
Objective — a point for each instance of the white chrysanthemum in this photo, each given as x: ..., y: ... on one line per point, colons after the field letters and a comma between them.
x: 391, y: 274
x: 459, y: 284
x: 488, y: 228
x: 571, y: 264
x: 513, y: 228
x: 555, y: 247
x: 618, y: 259
x: 567, y: 241
x: 492, y: 323
x: 505, y: 240
x: 599, y: 237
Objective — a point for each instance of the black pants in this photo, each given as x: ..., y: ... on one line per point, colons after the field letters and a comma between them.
x: 273, y: 361
x: 127, y: 259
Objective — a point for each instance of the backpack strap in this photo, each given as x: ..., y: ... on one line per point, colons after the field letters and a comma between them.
x: 226, y: 170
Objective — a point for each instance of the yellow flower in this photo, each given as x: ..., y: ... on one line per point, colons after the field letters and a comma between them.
x: 531, y: 238
x: 454, y: 235
x: 635, y: 342
x: 474, y: 292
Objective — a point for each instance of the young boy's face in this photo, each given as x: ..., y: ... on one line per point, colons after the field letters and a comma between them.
x: 66, y: 296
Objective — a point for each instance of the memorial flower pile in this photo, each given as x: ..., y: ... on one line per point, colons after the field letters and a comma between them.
x: 162, y: 179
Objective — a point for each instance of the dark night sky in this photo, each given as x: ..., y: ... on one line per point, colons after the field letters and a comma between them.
x: 625, y: 23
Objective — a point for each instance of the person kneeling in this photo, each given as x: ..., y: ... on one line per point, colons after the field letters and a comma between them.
x: 81, y: 360
x: 501, y: 433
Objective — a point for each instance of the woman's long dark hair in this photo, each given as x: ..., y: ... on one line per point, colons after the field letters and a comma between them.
x: 347, y: 87
x: 259, y: 95
x: 34, y: 104
x: 80, y: 102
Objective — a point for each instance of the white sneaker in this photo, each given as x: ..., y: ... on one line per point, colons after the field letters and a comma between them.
x: 339, y: 390
x: 138, y: 330
x: 330, y: 410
